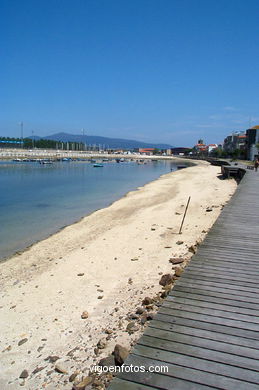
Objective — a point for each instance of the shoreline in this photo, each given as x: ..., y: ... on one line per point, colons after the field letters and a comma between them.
x: 45, y: 237
x: 104, y: 264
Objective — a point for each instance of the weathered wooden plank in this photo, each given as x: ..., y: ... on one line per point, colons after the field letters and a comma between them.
x: 198, y: 301
x: 226, y: 278
x: 211, y: 286
x: 226, y: 301
x: 202, y: 342
x: 215, y: 292
x: 197, y: 363
x: 195, y: 377
x: 213, y: 334
x: 195, y: 315
x: 222, y: 268
x: 205, y: 323
x: 215, y: 283
x: 240, y: 320
x: 201, y: 352
x: 235, y: 261
x: 228, y: 254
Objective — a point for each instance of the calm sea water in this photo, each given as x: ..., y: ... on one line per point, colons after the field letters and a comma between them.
x: 37, y: 200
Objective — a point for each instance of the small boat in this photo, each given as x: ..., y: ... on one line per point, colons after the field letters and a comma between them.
x: 98, y: 165
x: 47, y: 162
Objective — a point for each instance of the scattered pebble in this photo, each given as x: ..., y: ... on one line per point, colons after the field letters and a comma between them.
x: 21, y: 342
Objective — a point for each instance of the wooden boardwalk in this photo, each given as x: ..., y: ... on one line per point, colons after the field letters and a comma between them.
x: 207, y: 330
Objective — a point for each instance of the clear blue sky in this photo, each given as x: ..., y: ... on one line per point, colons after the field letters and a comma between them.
x: 154, y: 70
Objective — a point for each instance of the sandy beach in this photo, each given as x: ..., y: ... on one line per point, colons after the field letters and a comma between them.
x: 105, y: 265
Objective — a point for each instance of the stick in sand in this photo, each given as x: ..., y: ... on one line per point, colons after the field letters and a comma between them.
x: 180, y: 231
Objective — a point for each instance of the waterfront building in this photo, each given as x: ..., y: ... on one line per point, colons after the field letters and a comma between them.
x: 252, y: 136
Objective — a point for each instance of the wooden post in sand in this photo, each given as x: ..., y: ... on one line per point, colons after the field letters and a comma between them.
x: 180, y: 231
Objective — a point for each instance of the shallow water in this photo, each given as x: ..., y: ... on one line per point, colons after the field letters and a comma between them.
x: 37, y: 200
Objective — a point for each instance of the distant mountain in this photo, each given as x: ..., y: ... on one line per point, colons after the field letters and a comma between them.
x: 113, y: 143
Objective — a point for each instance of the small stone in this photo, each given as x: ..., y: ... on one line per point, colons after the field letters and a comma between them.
x: 102, y: 343
x: 153, y: 229
x: 174, y: 260
x: 120, y: 354
x: 131, y: 328
x: 80, y: 274
x: 178, y: 271
x: 143, y: 318
x: 166, y: 279
x: 147, y: 301
x: 164, y: 294
x: 37, y: 369
x: 134, y: 259
x: 100, y: 297
x: 60, y: 369
x: 133, y: 316
x: 179, y: 242
x: 107, y: 362
x: 82, y: 385
x: 7, y: 348
x: 130, y: 281
x: 140, y: 310
x: 192, y: 249
x: 208, y: 209
x: 21, y: 342
x: 97, y: 384
x: 73, y: 376
x: 52, y: 358
x: 166, y: 291
x: 84, y: 315
x: 24, y: 374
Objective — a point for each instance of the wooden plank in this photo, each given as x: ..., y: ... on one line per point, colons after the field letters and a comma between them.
x: 226, y: 278
x: 234, y: 261
x: 216, y: 283
x: 197, y: 363
x: 201, y: 352
x: 240, y: 320
x: 222, y: 268
x: 208, y: 319
x: 217, y: 300
x: 212, y: 286
x: 214, y: 292
x: 213, y: 334
x: 203, y: 342
x: 228, y: 254
x: 193, y: 376
x: 201, y: 301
